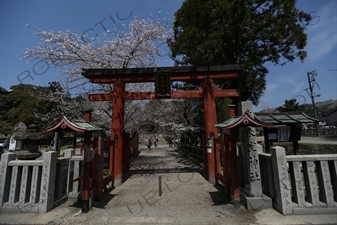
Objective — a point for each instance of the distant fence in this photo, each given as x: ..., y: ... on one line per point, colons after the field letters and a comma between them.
x: 300, y: 184
x: 38, y: 186
x: 193, y: 152
x: 324, y: 131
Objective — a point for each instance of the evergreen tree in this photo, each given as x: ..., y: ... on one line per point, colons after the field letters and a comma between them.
x: 291, y: 106
x: 240, y: 31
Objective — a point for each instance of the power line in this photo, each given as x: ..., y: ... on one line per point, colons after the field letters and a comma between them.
x: 311, y: 80
x: 291, y: 97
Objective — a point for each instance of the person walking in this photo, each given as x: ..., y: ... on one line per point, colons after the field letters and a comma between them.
x: 170, y: 141
x: 156, y: 141
x: 149, y: 144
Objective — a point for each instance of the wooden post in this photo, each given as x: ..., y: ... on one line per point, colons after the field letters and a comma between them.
x: 231, y: 109
x: 86, y: 173
x: 86, y: 165
x: 266, y: 139
x: 225, y: 160
x: 111, y: 156
x: 210, y: 121
x: 117, y: 128
x: 234, y: 170
x: 87, y: 116
x: 234, y: 161
x: 99, y: 167
x: 218, y: 154
x: 126, y: 153
x: 74, y: 141
x: 204, y: 150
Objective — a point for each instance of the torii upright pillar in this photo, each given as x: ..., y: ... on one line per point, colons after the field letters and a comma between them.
x: 117, y: 127
x: 210, y: 121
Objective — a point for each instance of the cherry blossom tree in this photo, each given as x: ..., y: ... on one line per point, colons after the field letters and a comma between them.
x: 132, y: 46
x: 121, y: 48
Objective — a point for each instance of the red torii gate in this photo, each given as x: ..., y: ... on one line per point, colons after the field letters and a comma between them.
x: 118, y: 77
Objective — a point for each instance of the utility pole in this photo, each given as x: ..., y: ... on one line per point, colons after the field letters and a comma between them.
x: 311, y: 80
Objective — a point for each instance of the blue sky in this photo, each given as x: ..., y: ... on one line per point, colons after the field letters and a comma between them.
x: 283, y: 82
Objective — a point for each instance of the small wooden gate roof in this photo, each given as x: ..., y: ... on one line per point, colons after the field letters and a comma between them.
x: 243, y: 120
x: 75, y: 125
x: 285, y: 118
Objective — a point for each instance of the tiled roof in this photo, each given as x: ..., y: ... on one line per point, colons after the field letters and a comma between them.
x: 285, y: 118
x: 75, y: 125
x: 243, y: 120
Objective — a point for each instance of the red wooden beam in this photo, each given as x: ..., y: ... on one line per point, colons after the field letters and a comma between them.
x: 174, y: 95
x: 181, y: 73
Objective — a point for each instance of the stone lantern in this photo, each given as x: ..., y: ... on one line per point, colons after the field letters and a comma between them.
x: 27, y: 142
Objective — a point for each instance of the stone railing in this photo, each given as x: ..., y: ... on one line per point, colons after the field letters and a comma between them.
x: 37, y: 186
x: 300, y: 184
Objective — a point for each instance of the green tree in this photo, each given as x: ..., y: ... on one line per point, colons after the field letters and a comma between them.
x: 240, y: 31
x: 21, y: 105
x: 291, y: 106
x: 42, y: 106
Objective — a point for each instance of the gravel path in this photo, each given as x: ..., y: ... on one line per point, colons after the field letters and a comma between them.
x: 186, y: 198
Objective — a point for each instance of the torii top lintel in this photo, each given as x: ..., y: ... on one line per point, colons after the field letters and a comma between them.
x: 182, y: 73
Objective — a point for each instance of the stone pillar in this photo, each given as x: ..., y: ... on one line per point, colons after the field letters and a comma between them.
x: 311, y: 186
x: 252, y: 161
x: 70, y: 177
x: 48, y: 181
x: 283, y: 202
x: 297, y: 182
x: 56, y: 142
x: 24, y: 184
x: 35, y: 186
x: 333, y: 172
x: 249, y: 154
x: 5, y: 177
x: 13, y: 193
x: 324, y: 180
x: 77, y: 168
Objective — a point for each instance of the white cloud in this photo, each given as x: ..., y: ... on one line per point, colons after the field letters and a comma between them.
x: 271, y: 87
x: 322, y: 37
x: 291, y: 78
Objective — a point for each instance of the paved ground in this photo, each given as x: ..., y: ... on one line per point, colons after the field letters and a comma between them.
x: 186, y: 198
x: 332, y: 140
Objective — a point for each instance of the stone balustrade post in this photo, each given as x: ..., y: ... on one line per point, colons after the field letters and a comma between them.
x: 281, y: 181
x: 69, y: 154
x: 5, y: 177
x: 48, y: 181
